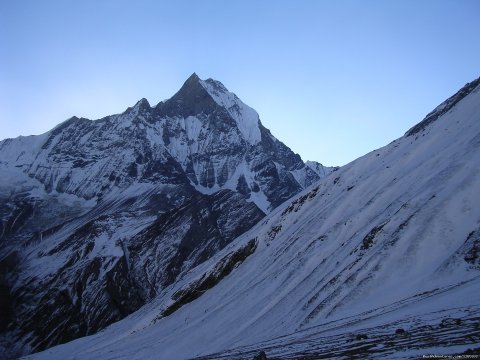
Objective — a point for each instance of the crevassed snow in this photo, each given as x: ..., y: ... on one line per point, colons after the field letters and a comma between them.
x: 246, y: 118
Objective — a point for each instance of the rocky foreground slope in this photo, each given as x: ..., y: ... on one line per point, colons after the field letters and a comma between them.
x: 379, y: 259
x: 98, y: 217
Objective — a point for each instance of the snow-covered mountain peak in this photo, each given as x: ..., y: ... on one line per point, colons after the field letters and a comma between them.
x: 191, y: 100
x: 113, y: 210
x: 197, y: 97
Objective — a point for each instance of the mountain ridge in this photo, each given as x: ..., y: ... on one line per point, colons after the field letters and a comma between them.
x: 88, y: 205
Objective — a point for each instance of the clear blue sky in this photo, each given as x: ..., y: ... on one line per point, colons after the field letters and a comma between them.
x: 332, y: 79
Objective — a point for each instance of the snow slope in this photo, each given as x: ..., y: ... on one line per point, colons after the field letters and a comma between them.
x: 379, y: 258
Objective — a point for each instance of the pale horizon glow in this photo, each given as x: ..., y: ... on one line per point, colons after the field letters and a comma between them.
x: 332, y: 80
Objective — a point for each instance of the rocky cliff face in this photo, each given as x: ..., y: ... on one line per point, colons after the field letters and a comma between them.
x: 97, y: 217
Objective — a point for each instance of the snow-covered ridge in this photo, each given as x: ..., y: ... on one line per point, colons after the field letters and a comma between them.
x: 246, y: 118
x: 215, y: 154
x: 445, y: 106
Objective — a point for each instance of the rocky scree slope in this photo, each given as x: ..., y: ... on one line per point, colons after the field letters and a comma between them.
x: 380, y: 258
x: 97, y: 217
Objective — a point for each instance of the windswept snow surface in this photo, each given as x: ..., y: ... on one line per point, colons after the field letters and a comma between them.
x: 380, y: 243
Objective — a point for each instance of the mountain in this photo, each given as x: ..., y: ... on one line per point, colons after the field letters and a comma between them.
x: 379, y: 259
x: 98, y: 217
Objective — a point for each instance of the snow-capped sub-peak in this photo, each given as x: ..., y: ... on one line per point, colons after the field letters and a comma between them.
x: 319, y: 169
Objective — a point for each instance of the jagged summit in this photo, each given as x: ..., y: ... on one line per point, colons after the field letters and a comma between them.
x: 193, y: 77
x: 192, y: 99
x: 204, y: 131
x: 190, y: 83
